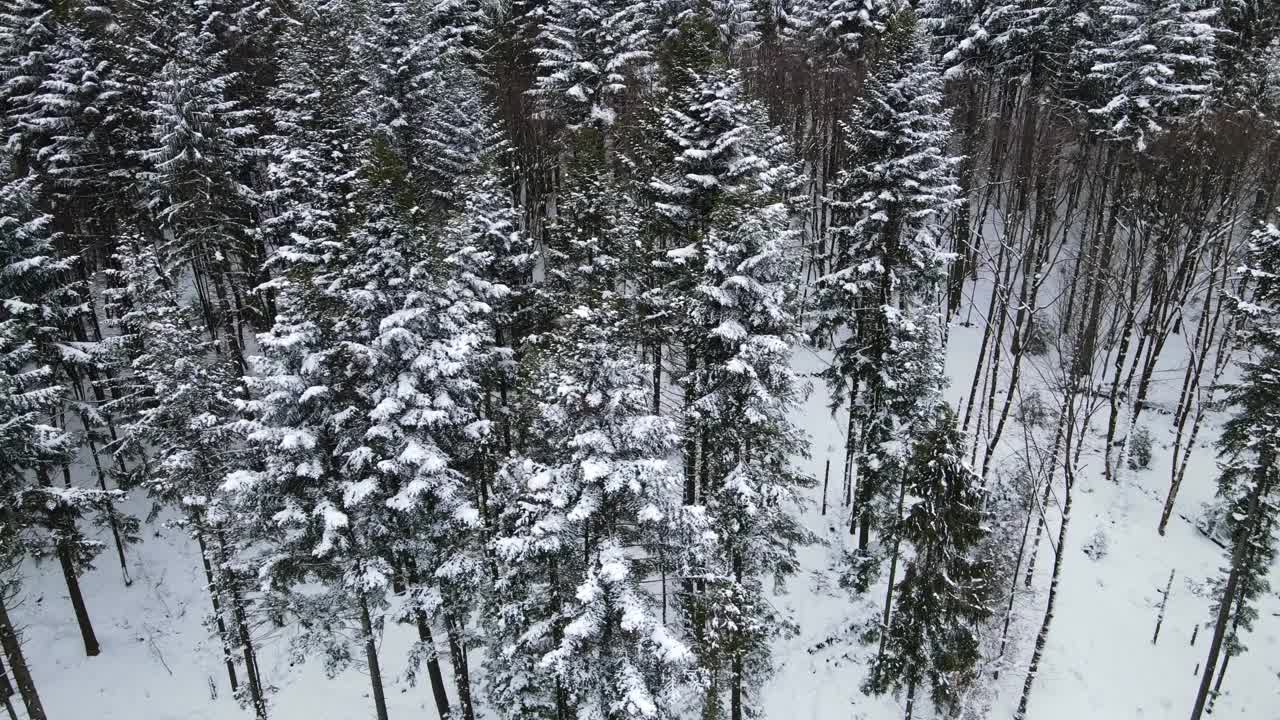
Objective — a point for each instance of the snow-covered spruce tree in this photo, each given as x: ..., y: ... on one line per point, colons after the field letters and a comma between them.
x: 878, y: 299
x: 327, y: 185
x: 29, y: 398
x: 451, y: 388
x: 957, y: 36
x: 742, y: 395
x: 313, y: 165
x: 739, y: 23
x: 836, y: 33
x: 722, y: 200
x: 1250, y: 445
x: 592, y: 57
x: 419, y: 95
x: 203, y: 147
x: 57, y: 101
x: 36, y: 305
x: 594, y: 494
x: 366, y: 405
x: 1154, y: 64
x: 932, y: 635
x: 495, y: 259
x: 595, y: 236
x: 69, y: 124
x: 28, y: 35
x: 178, y: 399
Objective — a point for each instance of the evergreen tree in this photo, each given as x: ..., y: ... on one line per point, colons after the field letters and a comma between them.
x: 29, y: 33
x: 836, y: 33
x: 68, y: 124
x: 878, y: 299
x: 36, y: 305
x: 179, y: 416
x: 1155, y: 64
x: 202, y: 148
x: 591, y: 57
x: 577, y: 632
x: 723, y: 203
x: 958, y: 39
x: 944, y: 594
x: 419, y: 94
x: 742, y: 396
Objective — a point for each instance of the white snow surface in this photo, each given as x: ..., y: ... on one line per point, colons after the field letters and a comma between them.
x: 159, y: 662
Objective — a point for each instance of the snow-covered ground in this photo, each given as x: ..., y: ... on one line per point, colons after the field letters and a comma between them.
x: 159, y: 662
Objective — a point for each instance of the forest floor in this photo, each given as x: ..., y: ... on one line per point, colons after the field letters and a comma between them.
x: 159, y: 662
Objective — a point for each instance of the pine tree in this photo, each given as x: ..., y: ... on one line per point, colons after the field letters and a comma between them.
x: 29, y: 32
x: 877, y: 300
x: 495, y: 259
x: 741, y: 397
x: 69, y: 122
x: 957, y: 35
x: 369, y: 387
x: 932, y: 634
x: 313, y: 168
x: 593, y: 493
x: 1155, y: 64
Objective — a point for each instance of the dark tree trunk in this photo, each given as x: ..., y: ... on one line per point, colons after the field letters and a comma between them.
x: 434, y: 675
x: 214, y: 592
x: 461, y: 670
x: 1164, y: 602
x: 91, y: 647
x: 433, y: 666
x: 257, y: 697
x: 893, y: 571
x: 1233, y: 580
x: 371, y: 656
x: 21, y: 675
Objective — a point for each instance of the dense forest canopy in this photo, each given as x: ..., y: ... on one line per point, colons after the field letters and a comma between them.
x: 479, y: 317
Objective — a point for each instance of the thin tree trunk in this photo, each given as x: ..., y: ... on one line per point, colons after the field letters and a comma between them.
x: 1164, y: 602
x: 1043, y: 636
x: 21, y: 674
x: 978, y: 375
x: 1013, y: 586
x: 735, y: 688
x: 77, y: 385
x: 434, y: 675
x: 893, y: 571
x: 1233, y: 579
x: 6, y: 693
x: 111, y: 509
x: 91, y: 647
x: 657, y: 378
x: 826, y: 476
x: 1044, y: 503
x: 213, y: 587
x: 848, y: 454
x: 371, y: 656
x: 461, y: 671
x: 257, y: 697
